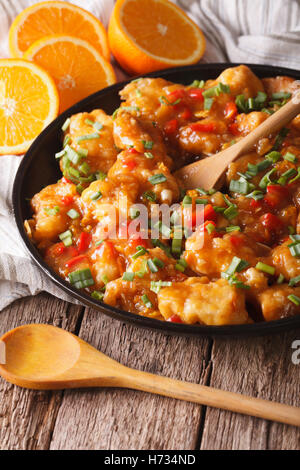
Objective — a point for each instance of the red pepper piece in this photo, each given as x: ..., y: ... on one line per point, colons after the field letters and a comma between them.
x: 133, y: 151
x: 84, y: 242
x: 233, y: 129
x: 57, y: 249
x: 210, y: 213
x: 130, y: 163
x: 203, y: 127
x: 255, y: 204
x: 175, y: 319
x: 186, y: 114
x: 275, y: 195
x: 271, y: 222
x: 196, y: 94
x: 171, y: 127
x: 138, y: 241
x: 75, y: 260
x: 237, y: 241
x: 65, y: 180
x: 67, y: 200
x: 176, y: 95
x: 231, y: 110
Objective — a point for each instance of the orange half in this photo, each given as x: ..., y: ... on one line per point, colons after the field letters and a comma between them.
x: 48, y: 18
x: 77, y: 68
x: 148, y: 35
x: 28, y: 103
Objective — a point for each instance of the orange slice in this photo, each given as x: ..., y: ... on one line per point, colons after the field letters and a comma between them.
x: 48, y: 18
x: 148, y: 35
x: 28, y: 103
x: 77, y: 67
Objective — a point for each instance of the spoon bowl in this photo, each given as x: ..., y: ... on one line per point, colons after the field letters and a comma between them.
x: 45, y: 357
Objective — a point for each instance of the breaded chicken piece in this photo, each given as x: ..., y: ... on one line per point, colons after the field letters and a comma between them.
x: 197, y: 300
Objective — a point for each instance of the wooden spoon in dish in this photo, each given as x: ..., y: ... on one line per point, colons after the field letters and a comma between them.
x: 209, y: 172
x: 44, y: 357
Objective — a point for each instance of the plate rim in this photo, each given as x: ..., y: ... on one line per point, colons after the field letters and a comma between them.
x: 179, y: 329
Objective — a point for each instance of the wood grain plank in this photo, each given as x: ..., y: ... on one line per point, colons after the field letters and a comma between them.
x: 259, y: 367
x: 123, y: 419
x: 27, y: 417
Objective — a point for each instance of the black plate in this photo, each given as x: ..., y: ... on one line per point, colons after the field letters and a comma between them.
x: 39, y: 169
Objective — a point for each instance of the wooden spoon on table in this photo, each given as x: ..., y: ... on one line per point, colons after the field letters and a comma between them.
x: 44, y: 357
x: 209, y: 172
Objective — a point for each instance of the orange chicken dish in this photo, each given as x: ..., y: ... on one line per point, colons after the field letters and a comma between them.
x: 219, y: 258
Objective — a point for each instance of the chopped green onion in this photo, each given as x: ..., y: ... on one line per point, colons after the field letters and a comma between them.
x: 294, y: 281
x: 97, y: 295
x: 157, y: 179
x: 100, y: 176
x: 288, y: 174
x: 157, y: 285
x: 281, y: 95
x: 237, y: 265
x: 66, y: 140
x: 60, y: 154
x: 241, y: 186
x: 96, y: 196
x: 280, y: 138
x: 164, y: 230
x: 295, y: 249
x: 295, y: 238
x: 280, y: 279
x: 216, y: 90
x: 134, y: 213
x: 150, y: 195
x: 79, y: 189
x: 290, y: 157
x: 82, y: 152
x: 202, y: 201
x: 148, y: 144
x: 66, y: 238
x: 265, y: 268
x: 202, y: 192
x: 291, y: 229
x: 81, y: 278
x: 99, y: 242
x: 181, y: 265
x: 177, y: 242
x: 265, y: 181
x: 72, y: 155
x: 152, y: 266
x: 158, y: 262
x: 273, y: 156
x: 128, y: 276
x: 104, y: 279
x: 208, y: 102
x: 295, y: 299
x: 256, y: 195
x: 296, y: 177
x: 95, y: 135
x: 231, y: 212
x: 52, y: 210
x: 233, y: 228
x: 187, y: 201
x: 146, y: 301
x: 149, y: 155
x: 66, y: 125
x: 210, y: 228
x: 140, y: 251
x: 73, y: 214
x: 85, y: 168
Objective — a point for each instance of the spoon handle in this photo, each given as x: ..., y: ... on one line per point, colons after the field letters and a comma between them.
x: 271, y: 125
x: 210, y: 397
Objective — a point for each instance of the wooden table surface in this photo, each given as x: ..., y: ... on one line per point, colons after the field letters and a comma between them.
x: 114, y: 419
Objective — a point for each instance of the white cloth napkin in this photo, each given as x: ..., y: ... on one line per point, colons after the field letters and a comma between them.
x: 253, y: 31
